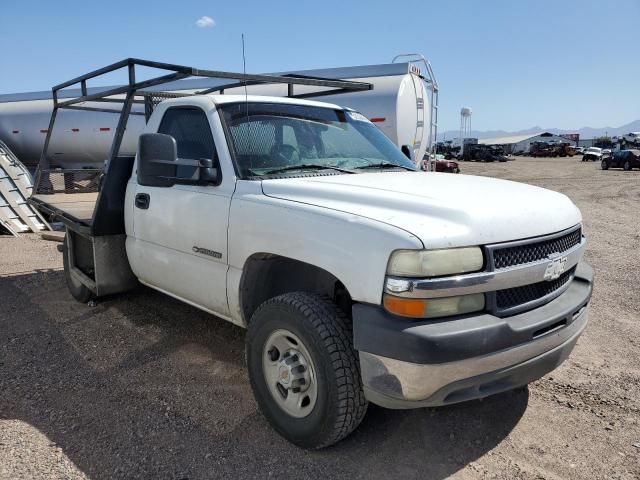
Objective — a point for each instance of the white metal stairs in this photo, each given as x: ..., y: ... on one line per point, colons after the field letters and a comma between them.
x: 16, y: 184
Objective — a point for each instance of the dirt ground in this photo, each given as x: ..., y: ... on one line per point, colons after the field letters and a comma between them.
x: 142, y: 386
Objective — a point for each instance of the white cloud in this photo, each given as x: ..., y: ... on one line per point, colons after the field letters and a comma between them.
x: 205, y: 22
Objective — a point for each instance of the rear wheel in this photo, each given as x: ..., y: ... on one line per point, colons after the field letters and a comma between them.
x: 604, y: 165
x: 304, y: 370
x: 78, y: 290
x: 627, y: 165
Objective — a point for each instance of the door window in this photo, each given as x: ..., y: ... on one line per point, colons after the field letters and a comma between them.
x: 190, y: 129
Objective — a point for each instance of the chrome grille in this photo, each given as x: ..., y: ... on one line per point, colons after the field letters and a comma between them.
x: 535, y: 251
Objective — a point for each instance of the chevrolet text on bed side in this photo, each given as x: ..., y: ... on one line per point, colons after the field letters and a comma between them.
x: 359, y: 278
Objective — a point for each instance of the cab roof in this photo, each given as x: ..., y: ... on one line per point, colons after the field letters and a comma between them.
x: 219, y: 99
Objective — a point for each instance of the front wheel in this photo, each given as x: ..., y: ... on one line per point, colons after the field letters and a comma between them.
x: 627, y: 165
x: 304, y: 370
x: 604, y: 165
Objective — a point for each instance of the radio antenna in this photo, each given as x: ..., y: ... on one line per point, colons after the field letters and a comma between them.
x: 244, y: 70
x: 246, y: 96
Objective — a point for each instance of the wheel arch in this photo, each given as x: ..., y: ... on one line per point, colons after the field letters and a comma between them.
x: 267, y: 275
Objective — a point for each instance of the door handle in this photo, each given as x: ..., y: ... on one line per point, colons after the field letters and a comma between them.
x: 142, y: 200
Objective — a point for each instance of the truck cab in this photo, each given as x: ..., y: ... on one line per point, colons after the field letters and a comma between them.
x: 358, y: 277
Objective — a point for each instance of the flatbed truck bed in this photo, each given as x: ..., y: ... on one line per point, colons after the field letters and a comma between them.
x: 76, y: 206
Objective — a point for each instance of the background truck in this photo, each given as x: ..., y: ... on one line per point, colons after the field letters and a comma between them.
x: 358, y: 278
x: 483, y: 153
x: 542, y: 149
x: 565, y: 149
x: 551, y: 149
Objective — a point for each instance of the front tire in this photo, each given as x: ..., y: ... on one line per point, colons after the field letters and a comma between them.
x: 627, y: 165
x: 304, y: 371
x: 604, y: 165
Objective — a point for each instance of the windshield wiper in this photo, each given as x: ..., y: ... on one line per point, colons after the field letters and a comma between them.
x: 307, y: 166
x: 383, y: 165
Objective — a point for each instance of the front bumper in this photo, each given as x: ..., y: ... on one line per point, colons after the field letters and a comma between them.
x: 409, y: 364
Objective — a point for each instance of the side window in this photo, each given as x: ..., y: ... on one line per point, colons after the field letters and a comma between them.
x: 190, y: 128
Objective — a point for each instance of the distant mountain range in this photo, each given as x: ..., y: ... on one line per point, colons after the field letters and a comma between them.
x: 585, y: 132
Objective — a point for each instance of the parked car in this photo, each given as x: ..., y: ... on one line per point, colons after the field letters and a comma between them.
x: 579, y: 150
x: 627, y: 159
x: 444, y: 165
x: 592, y: 154
x: 441, y: 163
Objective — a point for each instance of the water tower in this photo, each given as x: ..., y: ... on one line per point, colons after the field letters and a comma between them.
x: 465, y: 124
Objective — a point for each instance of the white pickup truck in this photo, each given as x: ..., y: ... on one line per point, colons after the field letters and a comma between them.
x: 359, y: 278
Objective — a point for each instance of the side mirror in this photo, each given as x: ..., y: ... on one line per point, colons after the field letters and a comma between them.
x: 157, y: 155
x: 208, y: 174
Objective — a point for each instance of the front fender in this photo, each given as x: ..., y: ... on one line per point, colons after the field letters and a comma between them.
x: 352, y: 248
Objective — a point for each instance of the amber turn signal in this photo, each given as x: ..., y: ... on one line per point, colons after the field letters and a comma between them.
x: 433, y: 307
x: 405, y: 307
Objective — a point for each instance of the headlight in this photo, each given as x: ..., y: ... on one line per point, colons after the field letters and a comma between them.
x: 435, y: 263
x: 433, y: 307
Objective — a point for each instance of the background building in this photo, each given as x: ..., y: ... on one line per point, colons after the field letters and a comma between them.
x: 521, y: 143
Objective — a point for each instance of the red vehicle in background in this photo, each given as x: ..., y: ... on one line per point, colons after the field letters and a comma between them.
x: 442, y: 164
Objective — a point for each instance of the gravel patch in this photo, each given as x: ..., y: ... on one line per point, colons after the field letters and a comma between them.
x: 142, y: 386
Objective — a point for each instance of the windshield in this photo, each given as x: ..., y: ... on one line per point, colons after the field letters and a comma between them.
x: 594, y: 150
x: 285, y: 139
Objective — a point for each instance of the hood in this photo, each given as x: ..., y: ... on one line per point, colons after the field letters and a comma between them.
x: 442, y: 210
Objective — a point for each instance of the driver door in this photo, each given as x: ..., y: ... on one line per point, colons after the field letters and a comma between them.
x: 180, y: 244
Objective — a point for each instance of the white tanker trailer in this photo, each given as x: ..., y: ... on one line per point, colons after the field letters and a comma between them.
x: 403, y: 104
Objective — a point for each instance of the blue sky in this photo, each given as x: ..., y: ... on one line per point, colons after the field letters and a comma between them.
x: 516, y: 63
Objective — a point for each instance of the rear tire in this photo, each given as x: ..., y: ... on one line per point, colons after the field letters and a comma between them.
x: 627, y: 165
x: 78, y: 291
x: 305, y: 324
x: 604, y: 165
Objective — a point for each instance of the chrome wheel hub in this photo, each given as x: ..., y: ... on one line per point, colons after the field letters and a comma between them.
x: 289, y: 373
